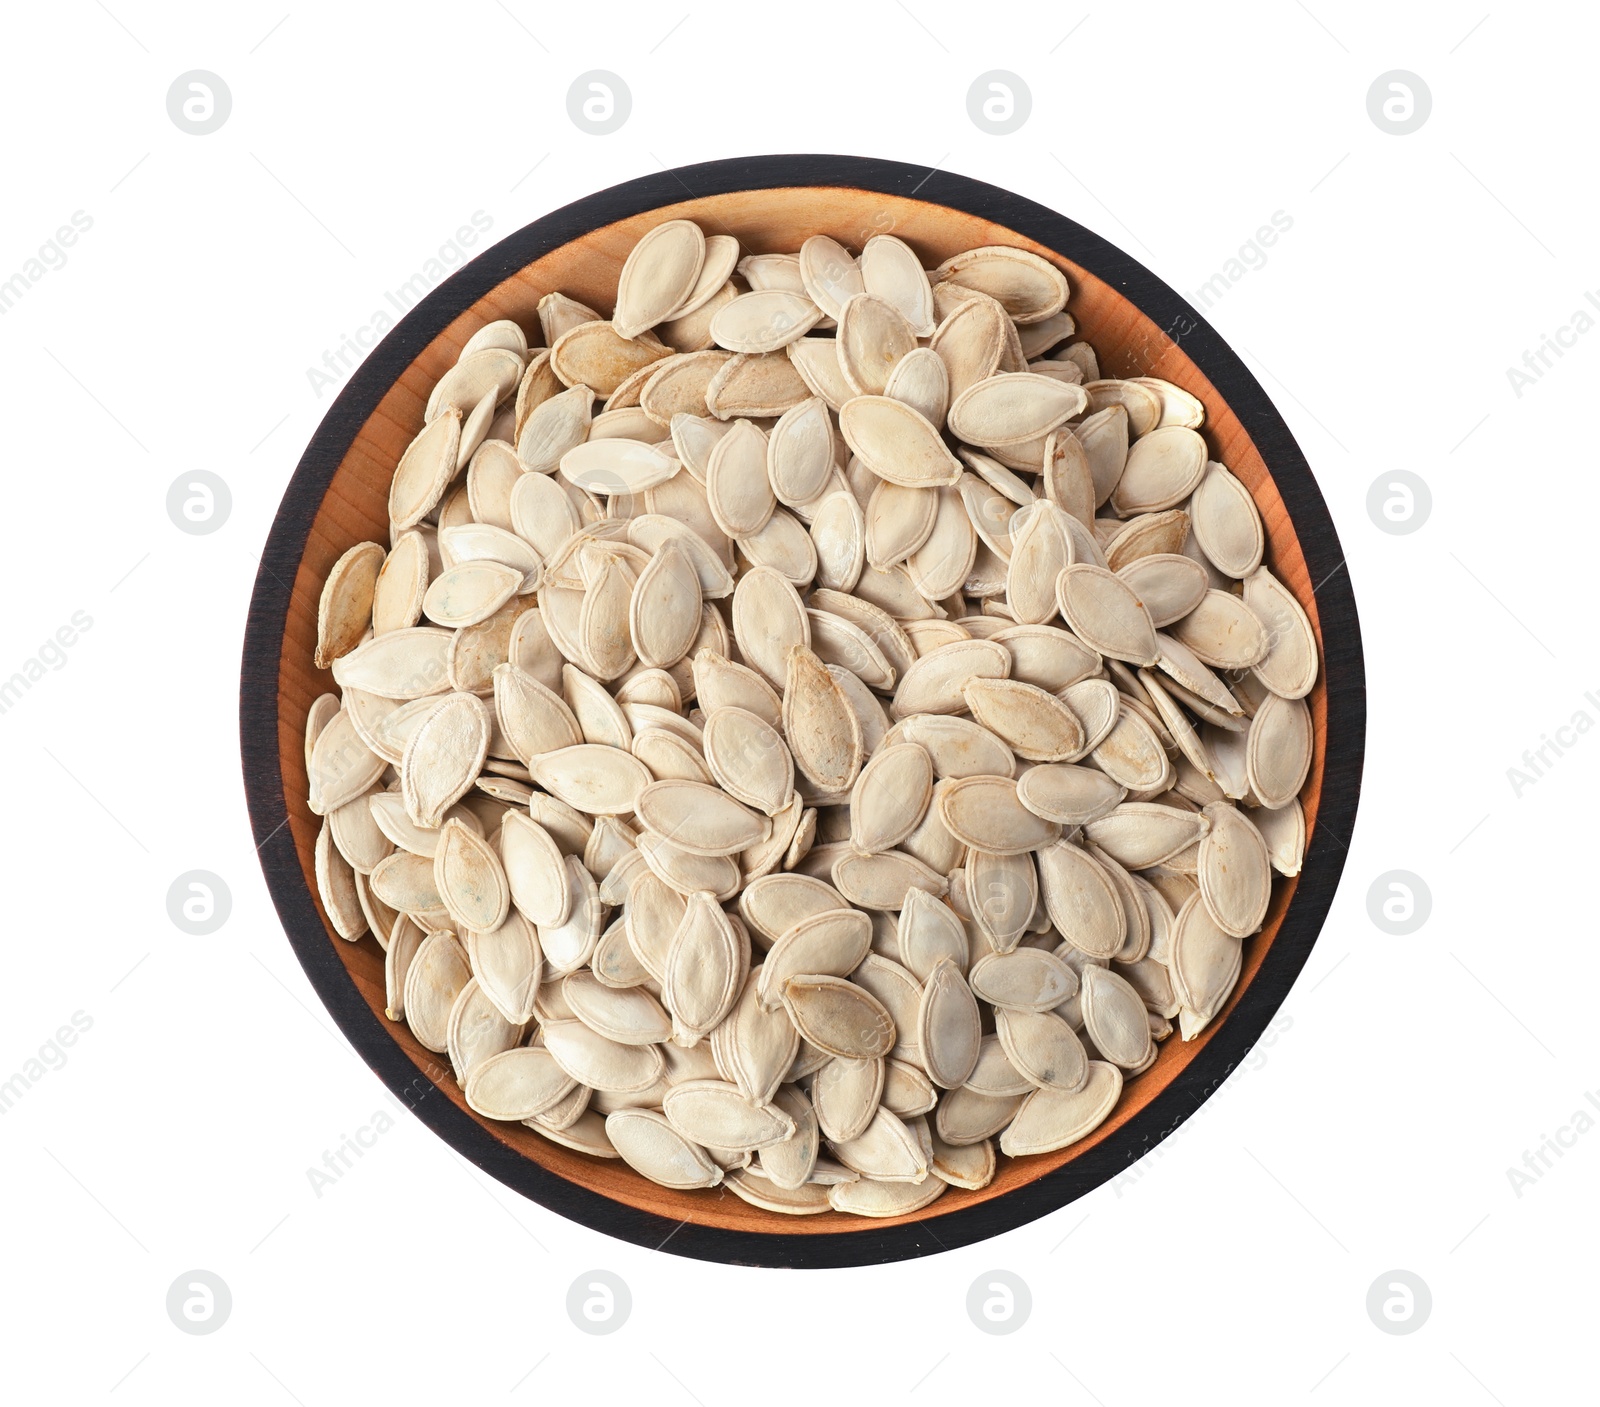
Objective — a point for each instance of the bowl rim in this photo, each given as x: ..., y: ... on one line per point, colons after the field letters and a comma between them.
x: 1344, y: 682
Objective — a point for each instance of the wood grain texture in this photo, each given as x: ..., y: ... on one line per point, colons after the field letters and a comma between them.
x: 352, y: 509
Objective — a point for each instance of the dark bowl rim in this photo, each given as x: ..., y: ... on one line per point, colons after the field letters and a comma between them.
x: 871, y: 1244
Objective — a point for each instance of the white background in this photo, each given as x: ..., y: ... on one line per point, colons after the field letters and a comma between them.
x: 1408, y: 1073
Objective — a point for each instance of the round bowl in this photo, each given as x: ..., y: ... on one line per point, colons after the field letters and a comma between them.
x: 337, y: 497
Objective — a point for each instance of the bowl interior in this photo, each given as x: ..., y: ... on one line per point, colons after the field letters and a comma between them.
x: 353, y: 509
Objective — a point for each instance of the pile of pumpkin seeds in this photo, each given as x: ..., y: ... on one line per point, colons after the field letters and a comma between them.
x: 809, y: 728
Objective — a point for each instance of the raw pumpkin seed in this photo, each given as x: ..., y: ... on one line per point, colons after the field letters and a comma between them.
x: 470, y: 880
x: 839, y: 1017
x: 866, y: 673
x: 1052, y: 1118
x: 516, y: 1084
x: 1278, y: 751
x: 1107, y: 613
x: 650, y: 1145
x: 984, y: 812
x: 659, y: 275
x: 949, y: 1026
x: 845, y: 1094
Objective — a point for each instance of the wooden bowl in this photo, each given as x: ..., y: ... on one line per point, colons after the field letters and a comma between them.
x: 337, y: 498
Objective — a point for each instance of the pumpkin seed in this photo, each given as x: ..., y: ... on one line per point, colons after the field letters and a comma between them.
x: 1026, y: 979
x: 1068, y: 795
x: 399, y: 664
x: 1170, y: 585
x: 625, y: 1015
x: 1052, y: 1118
x: 1104, y: 435
x: 1028, y: 287
x: 1114, y: 1018
x: 1284, y: 831
x: 443, y: 757
x: 845, y: 1096
x: 345, y: 609
x: 599, y: 1062
x: 944, y: 562
x: 1227, y: 523
x: 1139, y: 834
x: 890, y: 797
x: 816, y: 362
x: 552, y: 428
x: 717, y: 875
x: 907, y: 1091
x: 650, y: 1145
x: 609, y: 466
x: 705, y: 969
x: 571, y: 943
x: 882, y: 881
x: 971, y: 1167
x: 532, y: 719
x: 425, y: 470
x: 834, y: 942
x: 1131, y: 753
x: 1002, y: 892
x: 1043, y: 1048
x: 821, y: 728
x: 763, y: 321
x: 1163, y: 468
x: 469, y: 593
x: 790, y: 1163
x: 928, y: 932
x: 768, y: 621
x: 337, y: 886
x: 433, y: 980
x: 897, y: 442
x: 968, y: 1116
x: 1235, y: 872
x: 1081, y: 901
x: 935, y: 683
x: 516, y: 1084
x: 1040, y: 552
x: 1107, y: 613
x: 342, y: 767
x: 659, y: 275
x: 956, y: 722
x: 759, y: 385
x: 477, y: 1030
x: 1141, y: 403
x: 1012, y: 407
x: 800, y: 452
x: 604, y: 781
x: 1278, y: 750
x: 886, y: 1151
x: 1205, y: 966
x: 984, y: 812
x: 873, y: 337
x: 1289, y: 667
x: 957, y: 746
x: 756, y: 1045
x: 704, y: 820
x: 830, y: 276
x: 891, y: 271
x: 469, y: 878
x: 1032, y: 723
x: 508, y: 966
x: 714, y: 1113
x: 599, y: 716
x: 1223, y: 631
x: 949, y: 1027
x: 837, y: 1016
x: 921, y: 380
